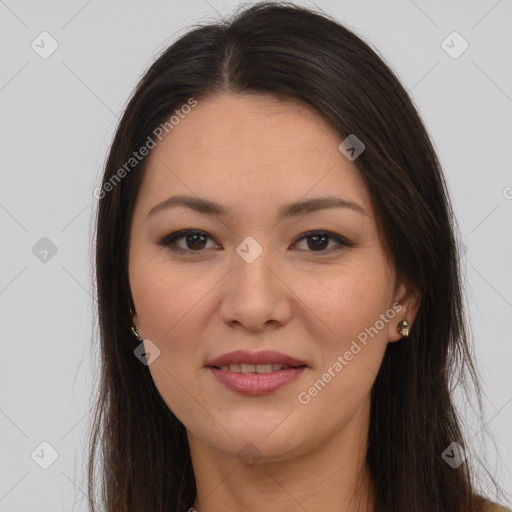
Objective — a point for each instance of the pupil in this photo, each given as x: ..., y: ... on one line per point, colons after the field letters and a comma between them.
x: 196, y: 238
x: 316, y: 238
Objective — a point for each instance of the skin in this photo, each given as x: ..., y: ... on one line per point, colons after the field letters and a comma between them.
x: 254, y: 154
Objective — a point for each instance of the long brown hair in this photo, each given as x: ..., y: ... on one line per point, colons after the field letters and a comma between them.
x: 290, y: 51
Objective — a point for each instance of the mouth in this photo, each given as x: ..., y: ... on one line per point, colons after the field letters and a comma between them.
x: 266, y: 361
x: 255, y: 373
x: 247, y: 368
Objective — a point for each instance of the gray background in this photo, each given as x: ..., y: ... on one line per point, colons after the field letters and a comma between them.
x: 57, y: 117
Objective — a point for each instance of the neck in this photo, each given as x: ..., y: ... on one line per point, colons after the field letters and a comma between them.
x: 331, y: 476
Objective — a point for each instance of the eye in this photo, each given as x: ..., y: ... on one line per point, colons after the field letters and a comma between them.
x: 320, y: 240
x: 193, y: 238
x: 195, y: 241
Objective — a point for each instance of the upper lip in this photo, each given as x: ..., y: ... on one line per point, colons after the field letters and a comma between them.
x: 264, y: 357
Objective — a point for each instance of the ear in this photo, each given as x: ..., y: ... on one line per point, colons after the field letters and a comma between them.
x: 409, y: 298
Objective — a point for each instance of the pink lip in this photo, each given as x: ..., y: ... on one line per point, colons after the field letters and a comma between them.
x: 264, y: 357
x: 256, y: 383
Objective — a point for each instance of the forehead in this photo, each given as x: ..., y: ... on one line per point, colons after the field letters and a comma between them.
x: 256, y: 146
x: 228, y: 122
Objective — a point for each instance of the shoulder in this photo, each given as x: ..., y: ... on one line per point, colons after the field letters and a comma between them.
x: 485, y: 505
x: 494, y: 507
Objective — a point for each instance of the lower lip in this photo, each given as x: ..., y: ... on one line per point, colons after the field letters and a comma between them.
x: 256, y: 383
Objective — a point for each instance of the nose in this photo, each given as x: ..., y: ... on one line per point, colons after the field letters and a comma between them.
x: 256, y: 296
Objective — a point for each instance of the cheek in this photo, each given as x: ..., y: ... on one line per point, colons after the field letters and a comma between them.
x: 165, y: 302
x: 352, y: 350
x: 346, y: 300
x: 164, y: 294
x: 168, y: 304
x: 347, y: 305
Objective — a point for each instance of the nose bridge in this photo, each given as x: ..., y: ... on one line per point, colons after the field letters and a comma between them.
x: 254, y: 295
x: 252, y: 260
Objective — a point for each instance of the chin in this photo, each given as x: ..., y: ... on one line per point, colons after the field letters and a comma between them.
x: 251, y: 440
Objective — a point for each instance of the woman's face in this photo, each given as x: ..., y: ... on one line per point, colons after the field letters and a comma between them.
x: 248, y: 282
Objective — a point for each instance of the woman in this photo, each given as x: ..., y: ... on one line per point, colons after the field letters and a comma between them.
x: 278, y: 285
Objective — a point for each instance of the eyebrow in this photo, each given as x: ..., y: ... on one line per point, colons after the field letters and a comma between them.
x: 209, y: 207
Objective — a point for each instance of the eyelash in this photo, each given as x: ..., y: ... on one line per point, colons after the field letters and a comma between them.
x: 170, y: 240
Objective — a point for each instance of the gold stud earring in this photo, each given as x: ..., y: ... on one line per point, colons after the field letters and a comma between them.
x: 403, y: 328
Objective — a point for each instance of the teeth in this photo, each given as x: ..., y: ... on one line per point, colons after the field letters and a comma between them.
x: 264, y: 368
x: 247, y: 368
x: 254, y: 368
